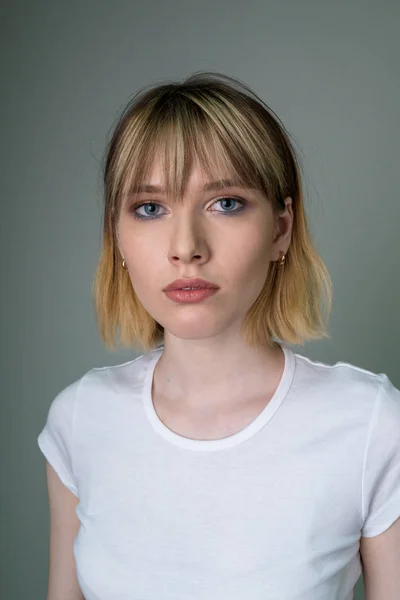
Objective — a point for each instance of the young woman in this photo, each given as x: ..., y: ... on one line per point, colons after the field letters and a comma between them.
x: 219, y: 463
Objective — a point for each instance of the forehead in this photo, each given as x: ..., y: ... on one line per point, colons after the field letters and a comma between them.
x: 198, y: 180
x: 198, y: 176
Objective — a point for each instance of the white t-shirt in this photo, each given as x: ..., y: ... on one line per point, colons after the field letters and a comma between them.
x: 274, y: 512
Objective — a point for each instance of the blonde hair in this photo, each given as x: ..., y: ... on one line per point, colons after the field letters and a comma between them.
x: 223, y: 124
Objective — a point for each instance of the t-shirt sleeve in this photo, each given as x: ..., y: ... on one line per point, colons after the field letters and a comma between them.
x: 56, y: 440
x: 381, y: 477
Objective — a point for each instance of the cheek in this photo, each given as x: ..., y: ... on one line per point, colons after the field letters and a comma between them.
x: 145, y: 265
x: 250, y: 253
x: 134, y: 247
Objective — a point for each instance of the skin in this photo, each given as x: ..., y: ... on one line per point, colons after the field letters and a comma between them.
x: 205, y: 362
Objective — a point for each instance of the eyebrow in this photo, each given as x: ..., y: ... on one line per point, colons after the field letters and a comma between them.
x: 212, y: 185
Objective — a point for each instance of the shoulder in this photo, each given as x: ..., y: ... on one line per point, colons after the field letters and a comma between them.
x: 117, y: 378
x: 99, y: 384
x: 348, y: 384
x: 340, y: 371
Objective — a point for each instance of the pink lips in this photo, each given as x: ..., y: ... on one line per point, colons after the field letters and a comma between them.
x: 190, y: 296
x: 179, y: 284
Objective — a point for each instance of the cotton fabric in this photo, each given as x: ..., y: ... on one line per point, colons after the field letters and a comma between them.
x: 274, y: 512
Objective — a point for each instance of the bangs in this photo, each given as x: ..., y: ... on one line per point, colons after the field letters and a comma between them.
x: 189, y: 131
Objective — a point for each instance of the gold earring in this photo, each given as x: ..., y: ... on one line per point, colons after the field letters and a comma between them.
x: 124, y: 264
x: 282, y: 261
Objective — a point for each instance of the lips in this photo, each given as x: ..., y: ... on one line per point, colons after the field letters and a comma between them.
x: 196, y: 283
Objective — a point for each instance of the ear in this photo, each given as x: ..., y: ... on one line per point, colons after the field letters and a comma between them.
x: 283, y: 228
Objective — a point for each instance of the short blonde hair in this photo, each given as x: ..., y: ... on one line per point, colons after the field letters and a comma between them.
x: 223, y: 124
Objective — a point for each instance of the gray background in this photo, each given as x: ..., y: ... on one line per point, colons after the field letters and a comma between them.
x: 331, y: 72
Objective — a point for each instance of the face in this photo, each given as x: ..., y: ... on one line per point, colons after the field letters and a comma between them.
x: 228, y: 237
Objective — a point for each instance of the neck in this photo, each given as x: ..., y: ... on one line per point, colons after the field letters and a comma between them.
x: 194, y: 373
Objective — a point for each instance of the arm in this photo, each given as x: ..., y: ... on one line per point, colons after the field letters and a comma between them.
x: 64, y: 527
x: 380, y: 557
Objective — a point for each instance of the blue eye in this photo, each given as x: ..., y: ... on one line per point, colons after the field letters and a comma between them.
x: 141, y: 217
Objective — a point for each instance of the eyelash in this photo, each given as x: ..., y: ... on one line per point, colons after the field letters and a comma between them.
x: 134, y: 208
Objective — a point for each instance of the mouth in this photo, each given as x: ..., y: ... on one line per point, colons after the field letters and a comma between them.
x: 187, y: 285
x: 185, y: 295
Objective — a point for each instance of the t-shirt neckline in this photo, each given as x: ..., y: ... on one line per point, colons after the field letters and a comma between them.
x: 221, y: 443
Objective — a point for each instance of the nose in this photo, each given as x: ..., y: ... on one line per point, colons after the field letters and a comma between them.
x: 188, y: 242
